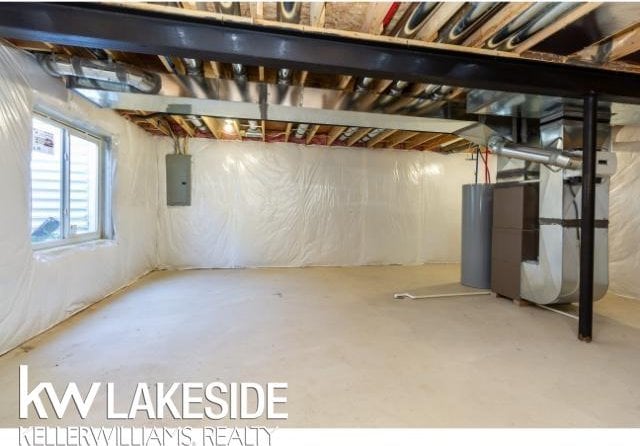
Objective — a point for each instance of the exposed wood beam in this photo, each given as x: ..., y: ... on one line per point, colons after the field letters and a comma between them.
x: 261, y: 73
x: 303, y: 77
x: 380, y: 137
x: 437, y: 20
x: 189, y: 5
x: 212, y: 69
x: 236, y: 128
x: 421, y: 139
x: 183, y: 124
x: 381, y: 56
x: 456, y: 145
x: 287, y: 131
x: 212, y: 125
x: 317, y: 14
x: 343, y: 82
x: 436, y: 142
x: 165, y: 62
x: 263, y: 128
x: 399, y: 138
x: 334, y: 133
x: 256, y: 10
x: 31, y: 45
x: 613, y: 48
x: 312, y: 132
x: 557, y: 25
x: 155, y: 123
x: 372, y: 23
x: 505, y: 15
x: 179, y: 65
x: 357, y: 136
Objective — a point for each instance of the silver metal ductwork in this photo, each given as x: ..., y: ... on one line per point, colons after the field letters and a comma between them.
x: 101, y: 71
x: 554, y: 277
x: 193, y: 67
x: 535, y: 18
x: 301, y: 130
x: 558, y: 158
x: 239, y: 72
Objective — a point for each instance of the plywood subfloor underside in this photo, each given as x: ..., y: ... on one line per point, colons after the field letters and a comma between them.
x: 351, y: 354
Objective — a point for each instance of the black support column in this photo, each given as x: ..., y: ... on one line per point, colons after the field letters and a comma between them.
x: 589, y: 134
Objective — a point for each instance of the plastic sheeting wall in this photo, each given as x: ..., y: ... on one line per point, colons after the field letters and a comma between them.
x: 257, y: 204
x: 624, y: 215
x: 40, y: 289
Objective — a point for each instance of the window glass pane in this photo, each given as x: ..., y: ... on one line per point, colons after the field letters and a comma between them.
x: 46, y: 182
x: 84, y: 157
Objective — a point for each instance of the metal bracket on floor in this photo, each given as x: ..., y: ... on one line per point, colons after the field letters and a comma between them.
x: 429, y: 296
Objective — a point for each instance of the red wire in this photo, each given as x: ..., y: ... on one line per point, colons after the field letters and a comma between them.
x: 485, y: 161
x: 390, y: 13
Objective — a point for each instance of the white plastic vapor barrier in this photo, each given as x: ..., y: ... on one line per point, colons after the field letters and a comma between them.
x: 624, y: 215
x: 257, y: 204
x: 41, y: 288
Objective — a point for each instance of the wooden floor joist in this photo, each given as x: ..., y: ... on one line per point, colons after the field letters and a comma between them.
x: 399, y: 138
x: 357, y: 136
x: 616, y: 47
x: 557, y: 25
x: 312, y: 132
x: 611, y: 53
x: 334, y: 133
x: 287, y: 131
x: 421, y: 139
x: 380, y: 137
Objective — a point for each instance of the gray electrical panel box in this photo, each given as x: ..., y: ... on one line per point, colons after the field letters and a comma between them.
x: 178, y: 180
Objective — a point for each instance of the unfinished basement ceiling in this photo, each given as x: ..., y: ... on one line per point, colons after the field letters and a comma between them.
x: 606, y: 35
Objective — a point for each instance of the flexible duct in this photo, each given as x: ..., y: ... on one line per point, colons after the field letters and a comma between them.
x: 470, y: 17
x: 301, y: 130
x: 500, y: 146
x: 347, y: 133
x: 193, y: 67
x: 232, y: 8
x: 239, y: 72
x: 197, y: 123
x: 535, y: 18
x: 284, y: 76
x: 416, y: 20
x: 103, y: 71
x: 289, y: 12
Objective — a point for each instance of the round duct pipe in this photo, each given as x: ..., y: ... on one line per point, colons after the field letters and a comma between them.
x: 103, y: 71
x: 471, y: 16
x: 232, y: 8
x: 417, y: 19
x: 301, y: 130
x: 284, y: 76
x: 527, y: 24
x: 289, y: 12
x: 239, y: 72
x: 193, y: 67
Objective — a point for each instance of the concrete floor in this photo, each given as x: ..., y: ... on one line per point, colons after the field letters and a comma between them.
x: 352, y: 355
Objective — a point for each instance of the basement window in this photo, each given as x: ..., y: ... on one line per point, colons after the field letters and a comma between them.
x: 67, y: 184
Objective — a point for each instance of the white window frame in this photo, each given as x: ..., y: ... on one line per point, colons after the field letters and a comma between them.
x: 102, y: 207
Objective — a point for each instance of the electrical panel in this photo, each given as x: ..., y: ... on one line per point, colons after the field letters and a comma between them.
x: 178, y: 180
